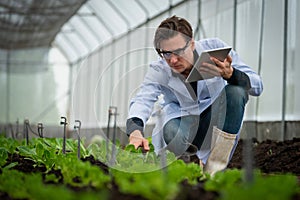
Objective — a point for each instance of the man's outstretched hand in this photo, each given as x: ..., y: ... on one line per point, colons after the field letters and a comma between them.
x: 219, y: 68
x: 136, y: 138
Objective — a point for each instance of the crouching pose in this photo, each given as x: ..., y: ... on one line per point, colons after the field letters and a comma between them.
x: 206, y: 113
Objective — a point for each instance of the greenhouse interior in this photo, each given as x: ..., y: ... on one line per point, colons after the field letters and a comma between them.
x: 70, y: 68
x: 76, y: 59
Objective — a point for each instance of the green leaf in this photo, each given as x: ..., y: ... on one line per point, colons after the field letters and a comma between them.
x: 26, y: 151
x: 3, y: 155
x: 11, y: 165
x: 130, y: 148
x: 39, y: 150
x: 51, y: 178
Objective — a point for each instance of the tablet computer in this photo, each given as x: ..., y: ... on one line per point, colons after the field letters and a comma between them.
x: 220, y: 53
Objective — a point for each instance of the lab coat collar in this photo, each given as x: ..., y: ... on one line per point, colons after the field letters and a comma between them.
x: 177, y: 83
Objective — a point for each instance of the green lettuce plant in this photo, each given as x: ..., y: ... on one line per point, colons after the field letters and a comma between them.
x: 231, y: 185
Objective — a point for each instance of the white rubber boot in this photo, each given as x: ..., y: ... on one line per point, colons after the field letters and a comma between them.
x: 221, y: 147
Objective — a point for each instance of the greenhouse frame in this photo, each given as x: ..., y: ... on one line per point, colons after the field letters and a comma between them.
x: 80, y: 59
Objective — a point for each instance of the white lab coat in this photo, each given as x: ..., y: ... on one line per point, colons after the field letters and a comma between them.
x: 177, y: 99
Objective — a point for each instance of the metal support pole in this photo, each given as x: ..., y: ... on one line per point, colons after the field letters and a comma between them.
x: 64, y: 122
x: 234, y: 23
x: 261, y: 39
x: 26, y: 122
x: 7, y: 86
x: 107, y: 135
x: 40, y: 130
x: 17, y: 128
x: 77, y: 129
x: 199, y: 23
x: 11, y: 130
x: 113, y: 153
x: 112, y: 112
x: 284, y: 74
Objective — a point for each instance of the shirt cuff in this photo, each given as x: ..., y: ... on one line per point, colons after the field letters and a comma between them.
x: 239, y: 78
x: 133, y: 124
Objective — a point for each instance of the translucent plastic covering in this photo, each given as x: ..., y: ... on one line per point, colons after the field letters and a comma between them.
x: 33, y: 23
x: 78, y: 58
x: 98, y: 22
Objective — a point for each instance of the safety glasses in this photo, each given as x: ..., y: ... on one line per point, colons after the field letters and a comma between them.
x: 177, y: 52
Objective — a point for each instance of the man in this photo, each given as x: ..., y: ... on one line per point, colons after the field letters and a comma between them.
x: 206, y: 113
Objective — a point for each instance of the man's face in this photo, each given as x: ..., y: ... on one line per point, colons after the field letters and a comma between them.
x: 178, y: 53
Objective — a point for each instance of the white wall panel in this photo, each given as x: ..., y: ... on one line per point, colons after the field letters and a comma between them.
x: 270, y: 104
x: 247, y: 43
x: 111, y: 75
x: 123, y: 71
x: 293, y: 58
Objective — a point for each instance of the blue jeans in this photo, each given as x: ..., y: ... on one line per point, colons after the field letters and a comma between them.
x: 226, y: 113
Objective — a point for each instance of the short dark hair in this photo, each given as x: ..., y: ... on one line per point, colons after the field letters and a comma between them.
x: 171, y: 27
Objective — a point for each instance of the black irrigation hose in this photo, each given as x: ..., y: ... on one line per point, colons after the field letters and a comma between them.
x: 28, y: 125
x: 39, y: 134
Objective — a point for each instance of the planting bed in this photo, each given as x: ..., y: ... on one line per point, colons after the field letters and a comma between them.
x: 270, y: 157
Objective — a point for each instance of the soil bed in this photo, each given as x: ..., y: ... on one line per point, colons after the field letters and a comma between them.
x: 271, y: 157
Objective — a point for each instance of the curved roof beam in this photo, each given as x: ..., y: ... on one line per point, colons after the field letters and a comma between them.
x: 111, y: 32
x: 144, y: 9
x: 81, y: 37
x: 118, y: 11
x: 81, y: 18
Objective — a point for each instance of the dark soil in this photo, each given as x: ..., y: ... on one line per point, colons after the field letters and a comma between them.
x: 24, y: 165
x: 270, y: 157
